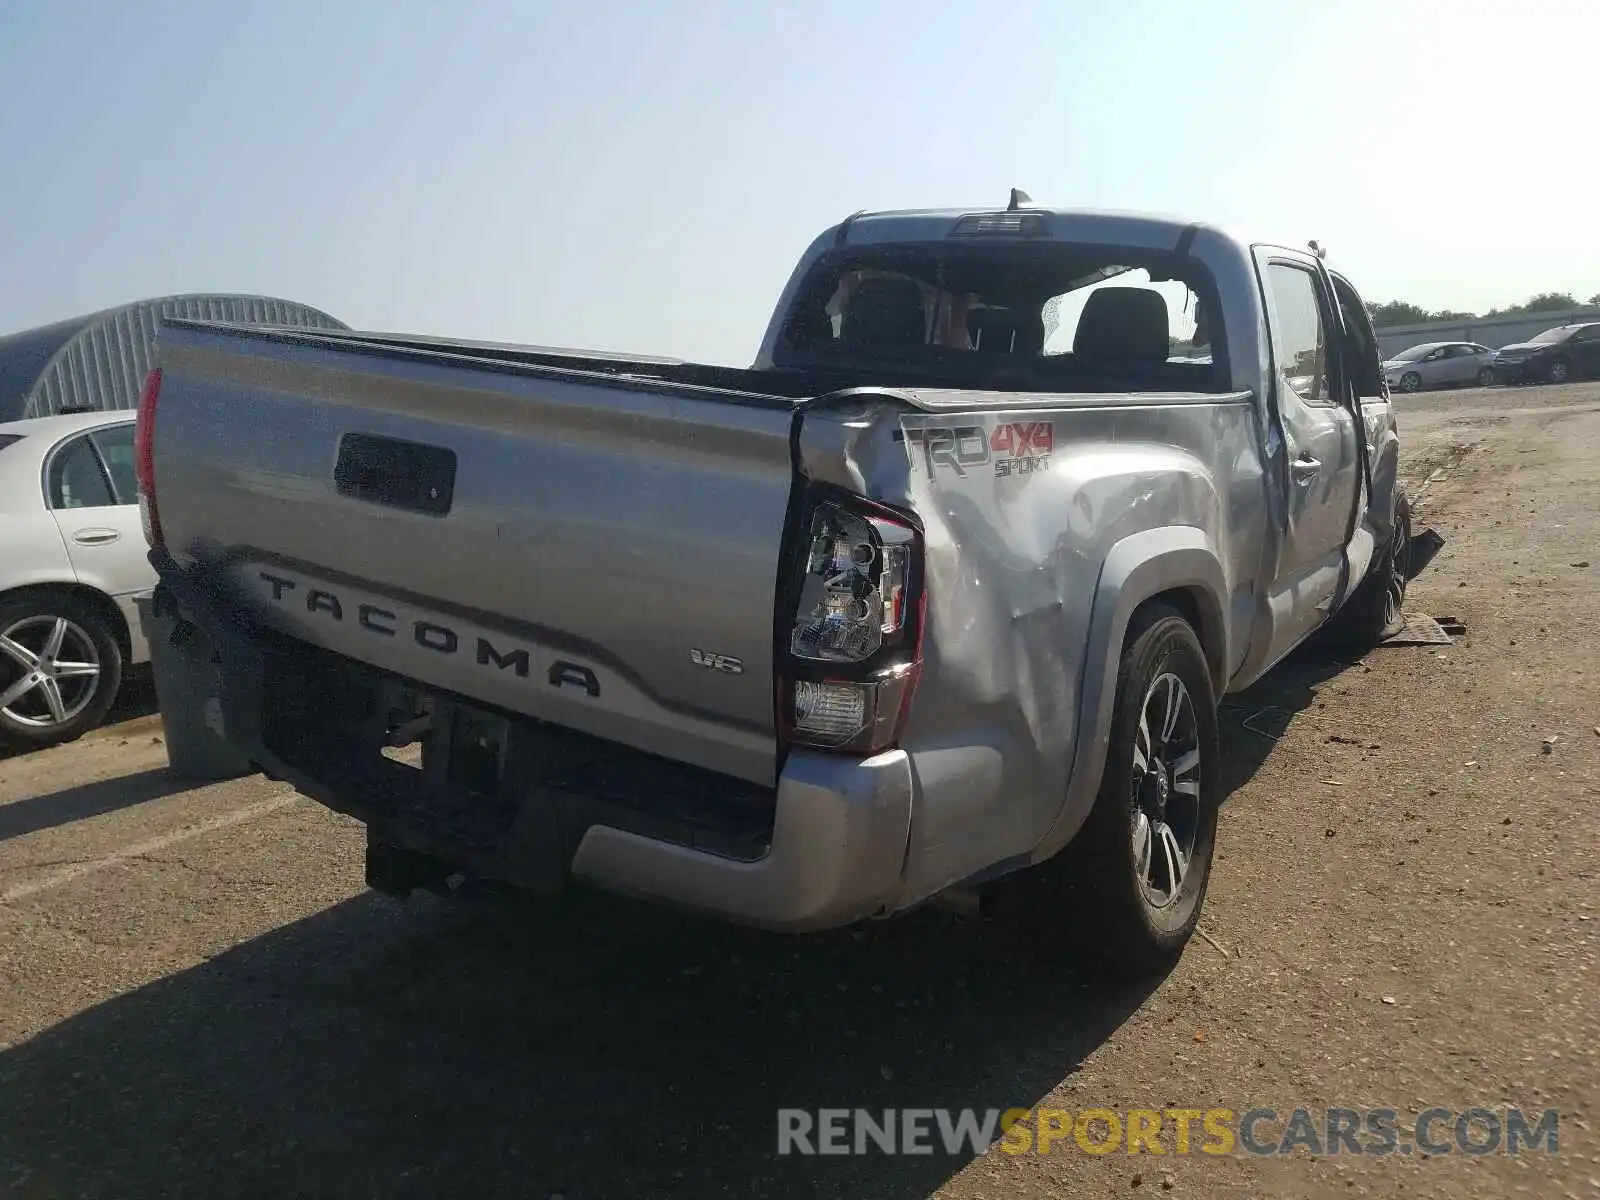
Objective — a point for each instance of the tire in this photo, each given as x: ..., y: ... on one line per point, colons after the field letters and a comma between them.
x: 1410, y: 382
x: 1560, y: 371
x: 1096, y: 897
x: 1486, y: 377
x: 1376, y: 609
x: 41, y: 702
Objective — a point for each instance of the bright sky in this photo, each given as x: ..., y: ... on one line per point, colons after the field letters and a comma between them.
x: 641, y: 174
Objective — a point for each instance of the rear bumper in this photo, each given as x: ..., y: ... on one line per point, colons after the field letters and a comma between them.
x: 825, y: 847
x: 837, y: 851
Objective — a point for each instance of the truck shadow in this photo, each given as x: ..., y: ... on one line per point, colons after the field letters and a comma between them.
x: 598, y: 1049
x: 609, y: 1050
x: 1253, y: 720
x: 1424, y: 547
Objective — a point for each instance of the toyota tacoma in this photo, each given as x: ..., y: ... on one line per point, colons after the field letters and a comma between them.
x: 935, y: 601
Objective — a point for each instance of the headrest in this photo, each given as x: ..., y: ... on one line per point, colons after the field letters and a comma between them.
x: 1124, y: 323
x: 885, y: 312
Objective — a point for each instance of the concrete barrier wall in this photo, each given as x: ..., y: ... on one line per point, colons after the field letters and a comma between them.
x: 1493, y: 332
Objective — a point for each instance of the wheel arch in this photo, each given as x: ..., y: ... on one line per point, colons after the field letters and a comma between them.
x: 93, y: 597
x: 1175, y: 566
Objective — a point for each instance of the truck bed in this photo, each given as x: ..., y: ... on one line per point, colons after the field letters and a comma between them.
x: 556, y: 535
x: 735, y: 384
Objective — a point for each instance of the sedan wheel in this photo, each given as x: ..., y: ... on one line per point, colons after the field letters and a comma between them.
x: 1410, y: 381
x: 1486, y: 377
x: 60, y: 669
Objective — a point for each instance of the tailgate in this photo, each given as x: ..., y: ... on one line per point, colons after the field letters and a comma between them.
x: 598, y: 553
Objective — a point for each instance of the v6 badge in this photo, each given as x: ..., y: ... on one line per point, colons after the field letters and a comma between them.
x: 716, y: 662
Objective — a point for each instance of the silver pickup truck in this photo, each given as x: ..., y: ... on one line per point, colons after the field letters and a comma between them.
x: 935, y: 601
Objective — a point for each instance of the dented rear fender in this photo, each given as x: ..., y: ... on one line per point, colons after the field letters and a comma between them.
x: 1044, y: 527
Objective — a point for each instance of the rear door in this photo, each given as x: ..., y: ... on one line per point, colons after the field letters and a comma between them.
x: 1463, y: 363
x: 1322, y: 455
x: 1452, y: 362
x: 1482, y: 358
x: 90, y: 490
x: 1432, y: 368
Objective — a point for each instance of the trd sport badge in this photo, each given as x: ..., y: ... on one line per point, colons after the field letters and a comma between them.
x: 1013, y: 447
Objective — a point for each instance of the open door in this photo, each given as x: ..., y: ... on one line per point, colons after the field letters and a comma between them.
x: 1363, y: 362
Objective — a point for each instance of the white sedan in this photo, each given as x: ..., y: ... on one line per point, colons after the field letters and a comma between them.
x: 72, y: 564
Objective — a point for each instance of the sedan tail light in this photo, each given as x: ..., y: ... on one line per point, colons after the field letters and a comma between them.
x: 851, y: 637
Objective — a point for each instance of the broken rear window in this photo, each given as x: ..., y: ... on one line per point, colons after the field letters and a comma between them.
x: 1052, y: 316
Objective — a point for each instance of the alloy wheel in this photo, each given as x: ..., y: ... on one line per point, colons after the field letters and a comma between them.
x: 1394, y: 600
x: 1166, y: 790
x: 49, y: 671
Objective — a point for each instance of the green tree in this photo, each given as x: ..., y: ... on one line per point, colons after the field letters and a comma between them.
x: 1397, y: 312
x: 1595, y: 299
x: 1547, y: 302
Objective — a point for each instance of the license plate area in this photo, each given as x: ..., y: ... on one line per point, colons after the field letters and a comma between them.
x: 457, y: 788
x: 474, y: 749
x: 510, y: 796
x: 453, y: 744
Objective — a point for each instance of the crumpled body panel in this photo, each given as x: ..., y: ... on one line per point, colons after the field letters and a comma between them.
x: 1021, y: 509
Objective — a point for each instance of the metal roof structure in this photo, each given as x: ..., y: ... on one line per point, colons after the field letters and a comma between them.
x: 100, y: 360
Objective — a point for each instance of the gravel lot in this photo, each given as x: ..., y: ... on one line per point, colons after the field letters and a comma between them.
x: 198, y: 998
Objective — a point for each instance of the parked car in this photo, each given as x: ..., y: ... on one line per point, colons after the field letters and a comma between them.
x: 1440, y: 364
x: 903, y: 612
x: 1554, y: 356
x: 73, y: 561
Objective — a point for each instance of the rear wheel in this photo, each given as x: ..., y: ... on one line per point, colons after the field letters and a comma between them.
x: 1376, y: 610
x: 60, y: 668
x: 1128, y: 889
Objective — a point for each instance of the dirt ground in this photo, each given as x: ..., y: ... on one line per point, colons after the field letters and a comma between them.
x: 197, y: 997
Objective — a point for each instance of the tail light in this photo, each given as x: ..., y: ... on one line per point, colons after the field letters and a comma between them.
x: 144, y: 457
x: 852, y: 646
